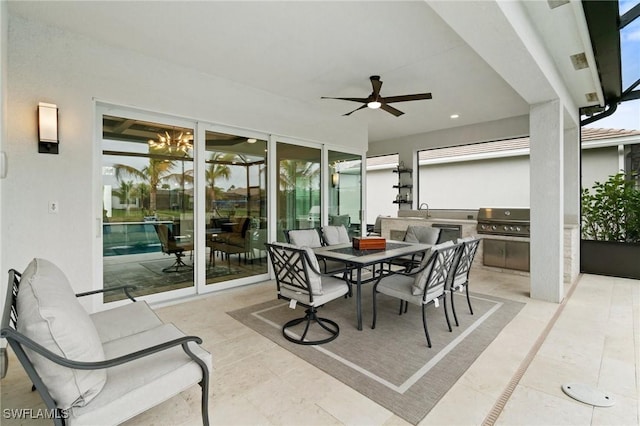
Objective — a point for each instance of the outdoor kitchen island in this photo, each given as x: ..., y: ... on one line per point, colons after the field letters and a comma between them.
x: 463, y: 223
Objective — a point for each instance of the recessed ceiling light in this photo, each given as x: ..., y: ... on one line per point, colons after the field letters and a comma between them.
x: 579, y: 61
x: 454, y: 116
x: 252, y: 140
x: 592, y: 97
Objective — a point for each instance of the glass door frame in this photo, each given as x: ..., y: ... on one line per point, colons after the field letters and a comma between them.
x: 273, y: 176
x: 326, y: 182
x: 102, y: 109
x: 200, y: 128
x: 200, y: 214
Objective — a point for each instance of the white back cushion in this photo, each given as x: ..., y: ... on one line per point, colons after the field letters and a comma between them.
x: 422, y: 234
x: 50, y: 314
x: 421, y: 278
x: 335, y: 234
x: 305, y: 238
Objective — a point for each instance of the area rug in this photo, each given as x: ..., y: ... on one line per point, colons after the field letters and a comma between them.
x: 392, y: 364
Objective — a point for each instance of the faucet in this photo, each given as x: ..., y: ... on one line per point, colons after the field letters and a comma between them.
x: 427, y: 208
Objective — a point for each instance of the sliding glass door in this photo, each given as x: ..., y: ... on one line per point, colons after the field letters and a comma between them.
x: 235, y: 206
x: 345, y: 191
x: 148, y: 216
x: 187, y: 202
x: 298, y: 203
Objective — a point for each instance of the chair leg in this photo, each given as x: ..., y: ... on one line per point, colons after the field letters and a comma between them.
x: 466, y: 287
x: 178, y: 265
x: 404, y: 307
x: 453, y: 307
x: 446, y: 311
x: 204, y: 384
x: 375, y: 311
x: 424, y: 323
x: 311, y: 316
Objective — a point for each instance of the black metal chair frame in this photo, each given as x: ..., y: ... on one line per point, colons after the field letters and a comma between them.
x: 291, y: 267
x: 322, y: 243
x: 171, y: 247
x: 442, y: 260
x: 463, y: 266
x: 19, y: 342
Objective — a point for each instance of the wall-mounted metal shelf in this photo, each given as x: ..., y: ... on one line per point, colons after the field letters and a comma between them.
x: 404, y: 189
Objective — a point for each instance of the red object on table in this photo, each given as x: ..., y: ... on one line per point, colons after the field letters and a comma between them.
x: 369, y: 243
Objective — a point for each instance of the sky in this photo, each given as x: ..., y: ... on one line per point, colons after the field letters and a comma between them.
x: 628, y: 114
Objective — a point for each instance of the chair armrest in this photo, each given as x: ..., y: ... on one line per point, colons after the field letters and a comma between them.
x: 347, y: 268
x: 9, y: 333
x: 125, y: 288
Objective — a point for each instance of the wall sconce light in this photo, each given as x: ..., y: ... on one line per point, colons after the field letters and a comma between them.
x: 47, y: 128
x: 335, y: 179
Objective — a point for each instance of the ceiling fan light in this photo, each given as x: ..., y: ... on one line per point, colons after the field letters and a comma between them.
x: 374, y: 104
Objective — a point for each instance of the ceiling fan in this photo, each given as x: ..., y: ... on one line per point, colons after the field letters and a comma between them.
x: 375, y: 101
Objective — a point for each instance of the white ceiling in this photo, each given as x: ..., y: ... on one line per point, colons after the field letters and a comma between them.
x: 301, y: 51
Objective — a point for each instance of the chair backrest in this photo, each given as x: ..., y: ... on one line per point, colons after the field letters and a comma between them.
x: 343, y: 219
x: 295, y: 268
x: 335, y: 235
x: 422, y: 234
x: 442, y: 259
x: 467, y: 253
x: 377, y: 226
x: 304, y: 237
x: 167, y: 240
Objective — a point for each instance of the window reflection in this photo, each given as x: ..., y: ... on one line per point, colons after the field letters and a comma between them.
x: 298, y: 204
x: 236, y: 206
x: 147, y: 206
x: 345, y: 191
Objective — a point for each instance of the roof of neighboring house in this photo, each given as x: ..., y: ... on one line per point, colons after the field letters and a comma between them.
x: 253, y: 191
x: 501, y: 148
x: 590, y: 133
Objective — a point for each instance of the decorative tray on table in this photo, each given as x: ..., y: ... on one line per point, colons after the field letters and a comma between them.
x: 369, y: 243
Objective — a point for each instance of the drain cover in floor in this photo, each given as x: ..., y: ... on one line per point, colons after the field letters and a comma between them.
x: 588, y: 394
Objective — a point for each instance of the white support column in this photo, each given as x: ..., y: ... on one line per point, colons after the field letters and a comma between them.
x: 547, y: 200
x: 572, y: 186
x: 572, y: 176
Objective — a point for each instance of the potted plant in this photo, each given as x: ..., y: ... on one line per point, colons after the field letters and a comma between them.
x: 611, y: 228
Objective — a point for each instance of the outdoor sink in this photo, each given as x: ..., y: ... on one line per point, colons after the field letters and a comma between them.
x: 440, y: 214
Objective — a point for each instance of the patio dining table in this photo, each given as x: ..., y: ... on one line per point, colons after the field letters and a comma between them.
x: 358, y: 260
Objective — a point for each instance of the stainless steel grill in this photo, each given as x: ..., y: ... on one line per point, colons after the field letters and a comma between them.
x: 504, y: 221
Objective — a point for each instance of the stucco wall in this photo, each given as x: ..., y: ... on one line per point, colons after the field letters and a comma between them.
x: 477, y: 183
x: 598, y: 164
x: 49, y: 64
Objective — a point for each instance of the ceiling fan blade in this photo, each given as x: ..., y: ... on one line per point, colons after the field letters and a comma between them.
x: 376, y: 84
x: 357, y: 109
x: 349, y: 99
x: 405, y: 98
x: 391, y: 109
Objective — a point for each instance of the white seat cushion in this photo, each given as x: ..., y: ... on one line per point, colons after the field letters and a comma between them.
x: 138, y: 385
x: 332, y: 288
x: 50, y: 314
x: 401, y: 287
